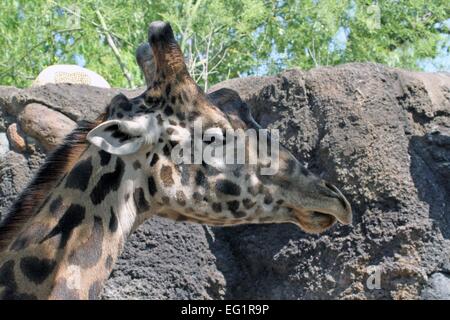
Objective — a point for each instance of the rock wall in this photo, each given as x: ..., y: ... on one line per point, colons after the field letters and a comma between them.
x: 382, y: 135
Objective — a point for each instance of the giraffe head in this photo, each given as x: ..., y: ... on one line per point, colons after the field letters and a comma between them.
x: 148, y: 132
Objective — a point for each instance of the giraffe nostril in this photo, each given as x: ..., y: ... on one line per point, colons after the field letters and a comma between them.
x: 334, y: 192
x: 329, y: 190
x: 330, y: 186
x: 344, y: 203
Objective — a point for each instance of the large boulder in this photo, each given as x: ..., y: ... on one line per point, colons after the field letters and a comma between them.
x: 382, y: 135
x: 48, y: 126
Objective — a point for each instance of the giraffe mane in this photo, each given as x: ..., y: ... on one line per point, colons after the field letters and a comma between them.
x: 55, y: 167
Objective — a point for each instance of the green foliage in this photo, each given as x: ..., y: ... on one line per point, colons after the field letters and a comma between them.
x: 220, y: 38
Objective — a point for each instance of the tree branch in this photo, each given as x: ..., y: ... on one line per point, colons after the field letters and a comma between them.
x: 114, y: 49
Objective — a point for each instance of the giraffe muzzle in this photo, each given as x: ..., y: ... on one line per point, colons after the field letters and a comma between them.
x: 322, y: 208
x: 342, y: 212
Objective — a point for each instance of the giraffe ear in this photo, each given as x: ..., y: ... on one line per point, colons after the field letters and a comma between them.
x: 125, y: 137
x: 146, y: 62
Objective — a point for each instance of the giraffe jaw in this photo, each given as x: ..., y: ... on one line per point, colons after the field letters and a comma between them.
x: 313, y: 221
x: 321, y: 217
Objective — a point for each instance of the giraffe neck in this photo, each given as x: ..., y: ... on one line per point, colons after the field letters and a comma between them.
x: 67, y: 249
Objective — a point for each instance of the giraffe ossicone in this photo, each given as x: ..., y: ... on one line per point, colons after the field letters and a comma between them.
x: 64, y: 233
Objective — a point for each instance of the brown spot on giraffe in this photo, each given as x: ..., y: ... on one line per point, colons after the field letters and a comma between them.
x: 166, y: 176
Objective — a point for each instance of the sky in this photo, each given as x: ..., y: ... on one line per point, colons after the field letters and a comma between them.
x: 439, y: 63
x: 442, y: 60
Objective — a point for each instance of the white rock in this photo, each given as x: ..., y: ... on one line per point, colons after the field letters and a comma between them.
x: 65, y: 73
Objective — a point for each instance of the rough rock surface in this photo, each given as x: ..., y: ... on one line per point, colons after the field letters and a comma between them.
x: 16, y: 138
x: 381, y: 135
x: 170, y: 261
x: 49, y: 127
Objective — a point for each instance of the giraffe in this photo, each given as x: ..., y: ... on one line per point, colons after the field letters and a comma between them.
x: 62, y: 236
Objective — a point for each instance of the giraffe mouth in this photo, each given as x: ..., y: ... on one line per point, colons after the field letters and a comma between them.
x: 314, y: 221
x: 323, y: 210
x: 327, y: 207
x: 325, y: 220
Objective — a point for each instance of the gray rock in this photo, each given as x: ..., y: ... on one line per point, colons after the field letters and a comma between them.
x: 78, y: 102
x: 14, y: 176
x: 168, y: 261
x: 48, y: 126
x: 382, y: 135
x: 7, y: 94
x: 438, y: 287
